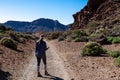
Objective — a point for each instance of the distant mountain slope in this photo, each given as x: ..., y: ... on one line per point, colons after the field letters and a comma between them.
x: 41, y: 24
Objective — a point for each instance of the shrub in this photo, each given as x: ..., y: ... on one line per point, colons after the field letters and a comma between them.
x: 79, y: 33
x: 81, y: 39
x: 92, y: 26
x: 64, y: 35
x: 115, y: 31
x: 97, y: 37
x: 114, y: 53
x: 92, y: 49
x: 54, y: 35
x: 117, y: 61
x: 113, y: 40
x: 2, y: 28
x: 94, y: 36
x: 27, y: 36
x: 61, y: 38
x: 67, y: 33
x: 14, y: 36
x: 79, y: 36
x: 10, y: 43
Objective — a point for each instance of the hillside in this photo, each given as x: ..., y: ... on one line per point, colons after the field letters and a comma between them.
x: 89, y: 67
x: 15, y: 51
x: 106, y: 12
x: 42, y: 24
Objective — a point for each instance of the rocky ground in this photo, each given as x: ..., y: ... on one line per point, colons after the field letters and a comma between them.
x: 87, y: 68
x: 12, y: 61
x: 64, y: 63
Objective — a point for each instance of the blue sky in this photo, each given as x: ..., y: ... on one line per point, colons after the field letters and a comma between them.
x: 29, y: 10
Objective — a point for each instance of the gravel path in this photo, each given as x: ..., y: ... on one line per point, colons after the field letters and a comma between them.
x: 55, y: 67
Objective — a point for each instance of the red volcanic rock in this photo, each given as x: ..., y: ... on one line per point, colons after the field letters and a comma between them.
x: 96, y: 10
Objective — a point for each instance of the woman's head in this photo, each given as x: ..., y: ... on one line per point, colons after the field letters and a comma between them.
x: 41, y: 37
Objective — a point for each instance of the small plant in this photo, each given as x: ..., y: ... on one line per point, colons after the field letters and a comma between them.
x: 92, y: 49
x: 97, y: 37
x: 81, y: 39
x: 114, y: 54
x: 79, y: 33
x: 10, y: 43
x: 117, y: 61
x: 27, y: 36
x: 13, y: 36
x: 61, y: 38
x: 92, y: 26
x: 77, y: 40
x: 79, y: 36
x: 54, y: 35
x: 113, y: 40
x: 2, y: 28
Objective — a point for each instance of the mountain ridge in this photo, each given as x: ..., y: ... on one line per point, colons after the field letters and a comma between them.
x: 41, y: 24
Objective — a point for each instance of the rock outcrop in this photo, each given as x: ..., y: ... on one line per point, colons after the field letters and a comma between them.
x: 96, y: 10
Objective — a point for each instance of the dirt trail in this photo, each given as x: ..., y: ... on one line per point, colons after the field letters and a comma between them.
x: 55, y: 67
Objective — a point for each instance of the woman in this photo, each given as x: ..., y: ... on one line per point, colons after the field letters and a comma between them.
x: 40, y: 52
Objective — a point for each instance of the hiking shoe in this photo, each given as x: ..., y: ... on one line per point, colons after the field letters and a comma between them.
x: 46, y: 73
x: 39, y: 75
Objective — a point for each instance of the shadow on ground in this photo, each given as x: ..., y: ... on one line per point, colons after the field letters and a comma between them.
x: 4, y: 75
x: 52, y: 77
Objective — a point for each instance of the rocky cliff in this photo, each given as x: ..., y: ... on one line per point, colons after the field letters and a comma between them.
x: 103, y: 11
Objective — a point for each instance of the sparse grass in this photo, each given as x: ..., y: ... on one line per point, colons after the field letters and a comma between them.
x: 113, y: 40
x: 117, y: 61
x: 114, y: 54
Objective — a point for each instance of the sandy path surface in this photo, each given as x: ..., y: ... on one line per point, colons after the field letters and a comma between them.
x: 56, y: 67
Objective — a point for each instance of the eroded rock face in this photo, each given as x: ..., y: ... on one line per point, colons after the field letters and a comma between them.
x: 96, y: 10
x: 94, y: 4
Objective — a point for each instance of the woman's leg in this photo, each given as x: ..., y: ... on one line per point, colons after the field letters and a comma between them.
x: 38, y: 66
x: 45, y: 63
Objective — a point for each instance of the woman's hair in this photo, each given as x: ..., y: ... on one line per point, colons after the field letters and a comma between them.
x: 41, y: 38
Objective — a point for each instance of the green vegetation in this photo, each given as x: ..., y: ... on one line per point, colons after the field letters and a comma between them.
x: 92, y: 26
x: 61, y: 38
x: 92, y: 49
x: 76, y: 36
x: 117, y: 61
x: 53, y: 35
x: 113, y: 39
x: 114, y: 54
x: 79, y: 36
x: 79, y: 33
x: 28, y: 36
x: 10, y: 43
x: 77, y: 40
x: 10, y: 38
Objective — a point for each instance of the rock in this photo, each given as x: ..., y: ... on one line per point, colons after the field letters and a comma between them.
x: 96, y: 10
